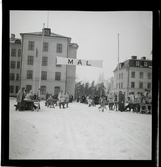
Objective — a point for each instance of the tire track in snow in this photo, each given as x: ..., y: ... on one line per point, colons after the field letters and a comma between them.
x: 75, y: 146
x: 139, y: 146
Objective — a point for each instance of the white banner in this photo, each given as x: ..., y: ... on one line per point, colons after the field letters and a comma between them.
x: 79, y: 62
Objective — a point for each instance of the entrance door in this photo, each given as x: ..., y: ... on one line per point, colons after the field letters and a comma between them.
x: 56, y: 90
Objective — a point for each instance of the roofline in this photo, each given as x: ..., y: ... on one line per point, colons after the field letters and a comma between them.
x: 39, y: 34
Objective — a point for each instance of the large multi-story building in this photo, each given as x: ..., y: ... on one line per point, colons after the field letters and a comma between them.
x: 39, y: 69
x: 15, y: 64
x: 134, y: 75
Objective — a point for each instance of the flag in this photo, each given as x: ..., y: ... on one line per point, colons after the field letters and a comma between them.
x: 36, y: 52
x: 79, y: 62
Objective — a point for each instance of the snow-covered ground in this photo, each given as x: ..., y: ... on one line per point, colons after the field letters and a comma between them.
x: 79, y: 132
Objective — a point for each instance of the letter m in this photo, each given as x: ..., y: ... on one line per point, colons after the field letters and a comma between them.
x: 70, y: 61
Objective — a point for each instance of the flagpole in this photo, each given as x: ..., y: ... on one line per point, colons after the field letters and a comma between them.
x: 41, y: 59
x: 34, y: 72
x: 118, y: 68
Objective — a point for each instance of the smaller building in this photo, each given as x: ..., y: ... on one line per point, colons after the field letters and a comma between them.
x: 134, y: 75
x: 15, y: 64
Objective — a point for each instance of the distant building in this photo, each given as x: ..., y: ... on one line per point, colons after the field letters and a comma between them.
x: 135, y: 75
x: 15, y: 64
x: 53, y: 77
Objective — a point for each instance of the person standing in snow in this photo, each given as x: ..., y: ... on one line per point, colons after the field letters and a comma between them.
x: 121, y: 101
x: 67, y: 99
x: 115, y: 101
x: 61, y: 99
x: 102, y: 103
x: 138, y: 102
x: 20, y: 98
x: 110, y: 100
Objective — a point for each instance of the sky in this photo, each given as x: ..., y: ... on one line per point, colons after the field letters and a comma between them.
x: 96, y: 34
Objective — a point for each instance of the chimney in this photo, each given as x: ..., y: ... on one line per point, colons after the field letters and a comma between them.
x: 133, y: 57
x: 143, y: 58
x: 46, y: 31
x: 12, y: 36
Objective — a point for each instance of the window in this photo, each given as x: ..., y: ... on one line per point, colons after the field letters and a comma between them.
x: 28, y: 88
x: 17, y: 88
x: 121, y: 84
x: 31, y: 45
x: 132, y: 74
x: 17, y: 77
x: 13, y: 64
x: 44, y: 61
x: 11, y: 89
x: 140, y: 84
x: 30, y: 60
x: 132, y: 84
x: 45, y: 47
x: 12, y: 76
x: 145, y: 64
x: 29, y: 74
x: 58, y: 65
x: 44, y: 75
x: 43, y: 90
x: 56, y: 90
x: 13, y: 52
x: 137, y: 63
x: 19, y: 52
x: 57, y: 76
x: 149, y: 75
x: 122, y: 75
x: 149, y: 86
x: 141, y: 75
x: 59, y: 48
x: 18, y: 64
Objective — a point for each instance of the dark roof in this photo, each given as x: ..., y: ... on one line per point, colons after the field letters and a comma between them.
x: 130, y: 63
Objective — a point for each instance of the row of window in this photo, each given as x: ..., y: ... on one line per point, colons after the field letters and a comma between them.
x: 13, y: 64
x: 30, y: 61
x: 141, y: 75
x: 43, y: 75
x: 13, y: 52
x: 12, y: 77
x: 30, y: 75
x: 59, y: 47
x: 133, y: 85
x: 15, y: 89
x: 145, y: 64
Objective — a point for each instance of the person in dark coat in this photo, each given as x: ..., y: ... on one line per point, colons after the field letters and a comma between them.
x: 47, y: 95
x: 121, y: 101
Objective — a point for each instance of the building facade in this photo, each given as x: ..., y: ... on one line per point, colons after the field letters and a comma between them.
x: 134, y: 75
x: 15, y: 64
x: 39, y: 70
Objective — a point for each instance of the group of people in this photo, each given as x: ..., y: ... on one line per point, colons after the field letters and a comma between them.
x: 61, y: 100
x: 24, y: 100
x: 134, y: 102
x: 118, y: 102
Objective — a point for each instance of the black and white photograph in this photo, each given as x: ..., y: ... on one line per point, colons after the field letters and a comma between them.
x: 80, y: 85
